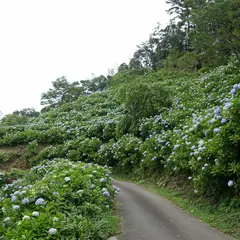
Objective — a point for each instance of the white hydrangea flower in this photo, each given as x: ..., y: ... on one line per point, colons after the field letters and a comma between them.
x: 55, y: 219
x: 26, y: 217
x: 7, y: 219
x: 22, y: 192
x: 52, y: 231
x: 67, y: 179
x: 35, y: 214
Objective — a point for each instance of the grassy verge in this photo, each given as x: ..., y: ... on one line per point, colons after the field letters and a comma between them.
x: 224, y: 215
x: 116, y: 223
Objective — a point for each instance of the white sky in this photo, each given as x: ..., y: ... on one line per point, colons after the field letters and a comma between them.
x: 41, y: 40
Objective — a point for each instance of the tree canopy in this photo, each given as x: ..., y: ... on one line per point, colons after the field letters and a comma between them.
x: 62, y: 91
x: 19, y: 117
x: 207, y: 32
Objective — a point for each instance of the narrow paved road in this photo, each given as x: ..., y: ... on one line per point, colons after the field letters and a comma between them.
x: 148, y: 216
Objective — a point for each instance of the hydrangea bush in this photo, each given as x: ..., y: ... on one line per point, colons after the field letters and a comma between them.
x: 58, y: 199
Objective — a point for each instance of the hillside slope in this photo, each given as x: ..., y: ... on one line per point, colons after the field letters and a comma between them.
x: 154, y: 122
x: 172, y: 124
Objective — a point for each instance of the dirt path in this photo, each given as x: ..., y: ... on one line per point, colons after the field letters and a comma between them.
x: 148, y: 216
x: 16, y: 159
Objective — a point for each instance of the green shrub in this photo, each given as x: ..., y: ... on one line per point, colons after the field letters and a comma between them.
x: 59, y: 199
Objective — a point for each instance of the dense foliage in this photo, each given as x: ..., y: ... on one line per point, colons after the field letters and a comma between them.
x: 194, y: 133
x: 57, y: 200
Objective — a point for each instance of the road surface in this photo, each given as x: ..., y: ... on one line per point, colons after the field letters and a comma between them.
x: 148, y: 216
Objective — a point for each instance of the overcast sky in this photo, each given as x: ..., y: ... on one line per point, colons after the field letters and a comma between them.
x: 41, y: 40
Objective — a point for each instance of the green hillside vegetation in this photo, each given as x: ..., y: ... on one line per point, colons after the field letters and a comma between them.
x: 58, y: 199
x: 172, y: 113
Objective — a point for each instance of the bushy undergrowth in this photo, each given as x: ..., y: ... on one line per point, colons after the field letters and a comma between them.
x: 57, y: 199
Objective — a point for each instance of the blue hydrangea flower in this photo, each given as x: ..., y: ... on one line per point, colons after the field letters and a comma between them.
x: 227, y: 105
x: 25, y: 200
x: 13, y: 198
x: 233, y: 91
x: 217, y: 111
x: 235, y: 86
x: 116, y: 188
x: 102, y: 180
x: 39, y: 201
x: 15, y: 207
x: 154, y: 158
x: 216, y: 130
x: 230, y: 183
x: 223, y: 121
x: 106, y: 194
